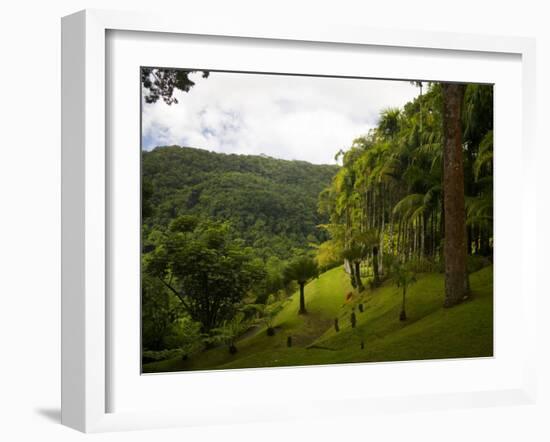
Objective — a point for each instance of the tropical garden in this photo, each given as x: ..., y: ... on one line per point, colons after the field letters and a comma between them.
x: 386, y: 255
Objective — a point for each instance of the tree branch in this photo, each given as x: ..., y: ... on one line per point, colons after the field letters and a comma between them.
x: 175, y: 292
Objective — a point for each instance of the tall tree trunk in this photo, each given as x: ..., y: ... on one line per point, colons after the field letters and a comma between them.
x: 358, y: 280
x: 382, y: 232
x: 453, y: 185
x: 302, y: 310
x: 398, y: 245
x: 391, y: 235
x: 403, y: 314
x: 423, y: 220
x: 436, y: 239
x: 375, y: 268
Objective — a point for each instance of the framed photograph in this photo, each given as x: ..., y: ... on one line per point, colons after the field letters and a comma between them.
x: 278, y: 222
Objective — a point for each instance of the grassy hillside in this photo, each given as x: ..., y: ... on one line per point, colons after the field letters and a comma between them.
x: 431, y: 332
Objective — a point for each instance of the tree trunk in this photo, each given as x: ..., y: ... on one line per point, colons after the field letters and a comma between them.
x: 376, y: 280
x: 382, y: 230
x: 302, y: 310
x: 358, y: 280
x: 403, y: 315
x: 424, y: 219
x: 415, y: 238
x: 391, y: 234
x: 453, y: 185
x: 433, y: 236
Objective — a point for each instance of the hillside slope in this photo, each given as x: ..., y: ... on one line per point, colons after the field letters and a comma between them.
x: 271, y: 203
x: 431, y: 332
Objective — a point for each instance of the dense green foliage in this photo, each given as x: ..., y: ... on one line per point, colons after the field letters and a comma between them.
x: 218, y: 233
x: 387, y: 199
x: 207, y: 270
x: 235, y: 246
x: 269, y: 203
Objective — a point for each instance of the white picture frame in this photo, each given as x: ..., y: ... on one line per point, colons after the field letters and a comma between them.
x: 86, y: 204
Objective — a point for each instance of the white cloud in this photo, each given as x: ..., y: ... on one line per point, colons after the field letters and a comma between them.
x: 304, y: 118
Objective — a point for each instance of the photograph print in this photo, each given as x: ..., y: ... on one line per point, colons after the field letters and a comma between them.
x: 297, y: 220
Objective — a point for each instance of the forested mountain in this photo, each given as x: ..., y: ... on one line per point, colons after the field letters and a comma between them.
x: 270, y: 203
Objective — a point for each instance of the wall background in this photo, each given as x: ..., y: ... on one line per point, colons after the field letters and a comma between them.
x: 30, y: 59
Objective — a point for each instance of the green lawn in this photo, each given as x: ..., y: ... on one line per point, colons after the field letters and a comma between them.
x: 431, y: 332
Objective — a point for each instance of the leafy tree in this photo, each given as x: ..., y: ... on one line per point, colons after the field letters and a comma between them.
x: 274, y: 284
x: 301, y: 269
x: 160, y: 314
x: 204, y: 268
x: 328, y: 255
x: 161, y: 83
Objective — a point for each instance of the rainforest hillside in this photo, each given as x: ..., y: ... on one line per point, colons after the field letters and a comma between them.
x: 270, y: 203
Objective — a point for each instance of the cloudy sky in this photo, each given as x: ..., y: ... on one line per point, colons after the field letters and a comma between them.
x: 290, y: 117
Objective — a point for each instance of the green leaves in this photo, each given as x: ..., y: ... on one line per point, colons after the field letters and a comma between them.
x: 301, y: 269
x: 161, y: 83
x: 484, y: 157
x: 402, y: 275
x: 391, y: 179
x: 271, y: 204
x: 209, y: 272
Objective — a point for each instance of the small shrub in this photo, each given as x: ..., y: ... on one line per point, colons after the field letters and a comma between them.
x: 233, y: 349
x: 360, y: 308
x: 353, y: 319
x: 270, y: 331
x: 336, y: 326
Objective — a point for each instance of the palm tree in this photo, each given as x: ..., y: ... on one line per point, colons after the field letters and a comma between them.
x: 354, y: 253
x: 388, y: 125
x: 403, y: 277
x: 370, y: 241
x: 301, y: 269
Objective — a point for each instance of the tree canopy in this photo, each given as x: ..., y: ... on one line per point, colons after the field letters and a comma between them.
x: 208, y: 271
